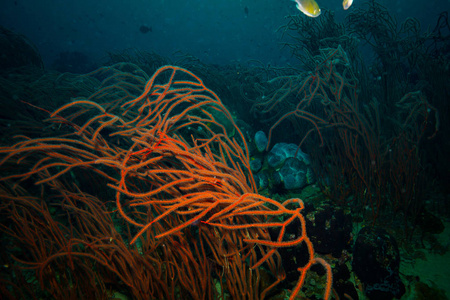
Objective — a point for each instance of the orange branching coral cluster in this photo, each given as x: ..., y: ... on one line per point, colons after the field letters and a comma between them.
x: 177, y: 167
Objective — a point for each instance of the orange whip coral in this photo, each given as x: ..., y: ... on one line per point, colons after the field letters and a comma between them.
x: 178, y: 167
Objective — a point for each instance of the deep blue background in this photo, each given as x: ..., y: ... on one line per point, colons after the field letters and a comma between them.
x: 217, y: 31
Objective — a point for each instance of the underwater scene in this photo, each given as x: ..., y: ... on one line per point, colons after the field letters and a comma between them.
x: 240, y: 149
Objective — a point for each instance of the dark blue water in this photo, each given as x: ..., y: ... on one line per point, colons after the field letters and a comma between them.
x: 216, y: 31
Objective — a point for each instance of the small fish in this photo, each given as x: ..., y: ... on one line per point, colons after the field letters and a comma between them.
x: 144, y: 29
x: 347, y: 3
x: 309, y: 7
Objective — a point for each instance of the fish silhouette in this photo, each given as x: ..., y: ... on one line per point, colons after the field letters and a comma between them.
x: 144, y: 29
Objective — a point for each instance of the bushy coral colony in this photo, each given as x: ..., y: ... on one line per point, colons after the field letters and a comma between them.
x: 183, y: 187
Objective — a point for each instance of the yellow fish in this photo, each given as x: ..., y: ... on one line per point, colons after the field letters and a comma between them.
x: 347, y: 3
x: 309, y: 7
